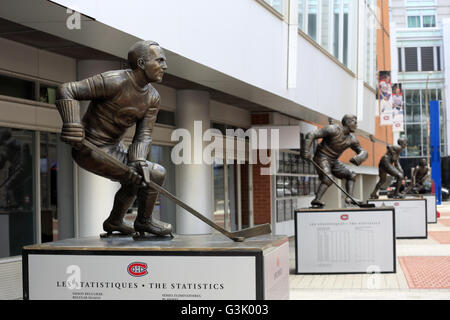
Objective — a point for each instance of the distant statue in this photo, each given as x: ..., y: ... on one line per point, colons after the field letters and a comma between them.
x: 420, y: 175
x: 336, y: 138
x: 119, y: 100
x: 390, y: 164
x: 17, y: 184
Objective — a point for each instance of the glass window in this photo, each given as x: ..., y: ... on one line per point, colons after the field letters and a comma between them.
x: 427, y: 57
x: 312, y: 19
x: 300, y: 14
x: 18, y: 88
x: 336, y: 22
x: 429, y: 21
x: 47, y: 93
x: 413, y: 21
x: 325, y: 24
x: 17, y: 219
x: 438, y: 58
x: 414, y: 139
x: 49, y: 187
x: 346, y: 32
x: 411, y: 60
x: 166, y: 117
x: 276, y: 4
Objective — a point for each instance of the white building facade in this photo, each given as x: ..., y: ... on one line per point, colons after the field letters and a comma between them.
x: 420, y: 43
x: 292, y: 63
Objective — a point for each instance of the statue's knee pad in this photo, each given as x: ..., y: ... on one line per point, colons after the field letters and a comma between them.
x: 158, y: 174
x: 326, y: 181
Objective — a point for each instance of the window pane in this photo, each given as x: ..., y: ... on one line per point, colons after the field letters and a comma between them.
x: 166, y: 117
x: 345, y: 53
x: 49, y: 193
x: 312, y: 19
x: 16, y: 191
x: 300, y: 14
x: 414, y: 137
x: 219, y: 193
x: 276, y: 4
x: 438, y: 58
x: 336, y: 29
x: 411, y: 59
x: 414, y: 22
x: 429, y: 21
x: 427, y: 57
x: 47, y: 94
x: 17, y: 88
x: 325, y: 24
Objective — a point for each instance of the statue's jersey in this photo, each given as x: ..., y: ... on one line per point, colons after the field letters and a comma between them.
x: 335, y: 143
x: 117, y: 103
x: 393, y: 154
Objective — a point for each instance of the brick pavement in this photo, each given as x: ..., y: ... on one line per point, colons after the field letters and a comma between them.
x: 423, y: 272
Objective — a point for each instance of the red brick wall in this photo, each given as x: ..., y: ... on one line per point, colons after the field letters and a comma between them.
x: 261, y: 195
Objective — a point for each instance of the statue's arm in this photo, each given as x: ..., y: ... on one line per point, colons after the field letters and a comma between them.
x: 313, y: 135
x: 361, y: 154
x: 142, y: 140
x: 68, y: 96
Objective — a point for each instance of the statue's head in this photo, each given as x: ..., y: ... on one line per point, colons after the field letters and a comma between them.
x: 402, y: 142
x: 350, y: 121
x: 148, y: 57
x: 423, y: 162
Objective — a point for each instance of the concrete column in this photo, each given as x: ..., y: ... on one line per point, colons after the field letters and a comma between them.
x: 194, y: 182
x: 369, y: 183
x: 66, y: 227
x: 332, y: 196
x: 95, y: 193
x: 358, y: 189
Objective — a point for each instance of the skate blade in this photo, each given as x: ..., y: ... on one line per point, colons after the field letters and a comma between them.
x: 151, y: 237
x: 107, y: 235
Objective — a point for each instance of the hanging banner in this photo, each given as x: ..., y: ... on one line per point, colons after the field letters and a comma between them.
x: 397, y: 108
x: 385, y: 97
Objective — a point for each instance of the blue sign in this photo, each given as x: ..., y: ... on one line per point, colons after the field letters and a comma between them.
x: 435, y: 147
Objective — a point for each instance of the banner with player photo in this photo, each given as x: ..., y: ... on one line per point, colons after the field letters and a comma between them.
x: 384, y: 96
x: 397, y: 108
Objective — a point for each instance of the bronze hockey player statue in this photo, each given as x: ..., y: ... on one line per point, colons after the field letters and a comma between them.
x: 119, y: 100
x: 419, y: 177
x: 390, y: 164
x: 336, y: 138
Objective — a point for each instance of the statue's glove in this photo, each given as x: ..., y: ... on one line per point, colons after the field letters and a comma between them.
x: 73, y: 134
x: 305, y: 154
x: 133, y: 175
x: 355, y: 161
x: 72, y: 131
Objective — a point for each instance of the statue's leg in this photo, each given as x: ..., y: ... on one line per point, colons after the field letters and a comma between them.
x: 325, y: 182
x: 342, y: 172
x: 145, y: 222
x: 381, y: 181
x: 123, y: 200
x: 393, y: 171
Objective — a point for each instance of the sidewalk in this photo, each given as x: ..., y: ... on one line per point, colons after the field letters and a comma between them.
x: 423, y: 272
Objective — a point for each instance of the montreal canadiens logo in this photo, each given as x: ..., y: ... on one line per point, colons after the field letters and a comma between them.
x: 396, y: 204
x: 344, y: 217
x: 137, y: 269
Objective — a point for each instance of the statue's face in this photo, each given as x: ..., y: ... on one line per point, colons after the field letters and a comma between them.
x: 423, y: 162
x: 155, y: 64
x: 403, y: 144
x: 352, y: 124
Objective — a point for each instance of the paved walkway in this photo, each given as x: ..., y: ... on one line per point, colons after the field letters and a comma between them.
x: 417, y: 256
